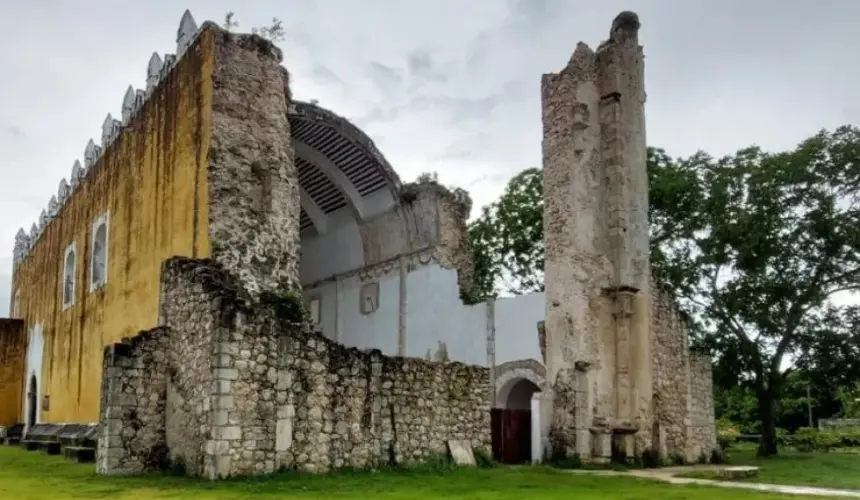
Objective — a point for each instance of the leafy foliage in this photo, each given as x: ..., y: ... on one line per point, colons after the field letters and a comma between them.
x: 727, y: 433
x: 286, y: 304
x: 756, y: 249
x: 507, y: 238
x: 850, y: 399
x: 808, y: 439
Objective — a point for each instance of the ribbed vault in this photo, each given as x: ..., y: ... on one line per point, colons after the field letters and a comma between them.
x: 338, y: 165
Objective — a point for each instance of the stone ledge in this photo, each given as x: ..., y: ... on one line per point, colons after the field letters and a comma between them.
x: 738, y: 472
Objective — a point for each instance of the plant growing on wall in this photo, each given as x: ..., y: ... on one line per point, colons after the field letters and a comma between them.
x: 286, y: 304
x: 273, y: 32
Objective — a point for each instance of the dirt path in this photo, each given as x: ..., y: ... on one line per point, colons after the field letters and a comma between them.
x: 670, y: 474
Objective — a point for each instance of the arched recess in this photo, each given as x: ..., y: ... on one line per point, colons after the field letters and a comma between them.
x: 32, y: 402
x: 344, y: 182
x: 508, y: 374
x: 513, y: 418
x: 98, y: 272
x: 68, y: 284
x: 35, y: 352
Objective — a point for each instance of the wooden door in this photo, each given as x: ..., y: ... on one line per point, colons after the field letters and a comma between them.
x: 511, y: 434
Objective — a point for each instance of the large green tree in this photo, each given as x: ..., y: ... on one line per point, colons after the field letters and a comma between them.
x: 768, y: 241
x: 755, y: 245
x: 507, y: 239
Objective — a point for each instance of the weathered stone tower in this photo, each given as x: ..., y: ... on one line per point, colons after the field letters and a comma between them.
x: 597, y: 265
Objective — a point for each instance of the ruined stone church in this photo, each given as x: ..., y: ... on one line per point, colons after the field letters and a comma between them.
x: 142, y: 314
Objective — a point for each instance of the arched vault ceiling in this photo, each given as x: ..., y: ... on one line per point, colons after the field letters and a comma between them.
x: 338, y: 165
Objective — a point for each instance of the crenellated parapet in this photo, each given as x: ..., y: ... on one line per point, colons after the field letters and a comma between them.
x: 133, y: 101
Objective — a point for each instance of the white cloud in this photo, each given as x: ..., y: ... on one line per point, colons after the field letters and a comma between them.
x: 449, y: 86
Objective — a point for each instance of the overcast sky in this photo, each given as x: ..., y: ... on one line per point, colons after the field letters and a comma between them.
x: 450, y: 86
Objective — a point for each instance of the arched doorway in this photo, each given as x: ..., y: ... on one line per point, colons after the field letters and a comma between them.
x: 32, y: 403
x: 512, y: 422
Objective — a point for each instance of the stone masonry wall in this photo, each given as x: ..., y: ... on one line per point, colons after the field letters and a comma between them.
x: 191, y: 309
x: 224, y: 388
x: 439, y: 215
x: 254, y: 192
x: 683, y: 392
x: 165, y: 388
x: 670, y: 364
x: 352, y: 408
x: 132, y: 432
x: 702, y: 437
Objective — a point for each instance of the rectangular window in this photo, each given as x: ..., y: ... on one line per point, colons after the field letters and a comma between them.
x: 314, y: 306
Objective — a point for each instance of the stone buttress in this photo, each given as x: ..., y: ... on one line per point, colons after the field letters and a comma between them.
x: 597, y: 264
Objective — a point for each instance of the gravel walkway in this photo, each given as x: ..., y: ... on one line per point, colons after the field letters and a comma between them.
x: 670, y: 474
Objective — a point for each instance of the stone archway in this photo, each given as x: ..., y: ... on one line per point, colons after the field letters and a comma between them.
x: 31, y: 396
x: 514, y: 417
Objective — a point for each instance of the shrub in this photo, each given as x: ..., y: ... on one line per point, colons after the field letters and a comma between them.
x: 286, y: 304
x: 850, y: 438
x: 483, y: 459
x: 561, y: 460
x: 727, y: 433
x: 827, y: 440
x: 650, y: 459
x: 808, y: 439
x: 718, y: 456
x: 782, y: 436
x: 804, y: 439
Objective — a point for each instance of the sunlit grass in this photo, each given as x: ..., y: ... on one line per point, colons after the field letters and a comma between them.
x: 835, y: 469
x: 35, y: 476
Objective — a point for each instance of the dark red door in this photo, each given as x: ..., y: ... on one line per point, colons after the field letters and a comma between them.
x: 511, y: 434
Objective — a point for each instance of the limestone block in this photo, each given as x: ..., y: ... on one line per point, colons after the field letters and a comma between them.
x: 738, y: 472
x: 461, y: 452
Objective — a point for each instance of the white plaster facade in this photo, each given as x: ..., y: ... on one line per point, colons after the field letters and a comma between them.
x: 35, y: 351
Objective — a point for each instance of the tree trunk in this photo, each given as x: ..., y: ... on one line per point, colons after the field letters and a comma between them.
x: 767, y: 398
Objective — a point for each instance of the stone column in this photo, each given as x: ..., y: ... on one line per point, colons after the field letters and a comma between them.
x: 111, y: 451
x: 597, y: 270
x: 623, y: 151
x: 402, y: 307
x: 537, y: 438
x: 491, y: 349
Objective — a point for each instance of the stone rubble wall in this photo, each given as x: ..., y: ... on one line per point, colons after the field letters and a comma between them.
x: 254, y: 204
x: 702, y: 439
x: 131, y: 436
x: 195, y: 307
x: 670, y: 364
x: 683, y: 391
x: 223, y: 388
x: 352, y: 408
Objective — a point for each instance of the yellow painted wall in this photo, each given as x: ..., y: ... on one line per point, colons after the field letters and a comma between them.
x: 13, y: 345
x: 153, y: 182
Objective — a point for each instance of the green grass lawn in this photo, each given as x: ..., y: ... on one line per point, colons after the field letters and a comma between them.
x: 836, y: 469
x: 35, y: 476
